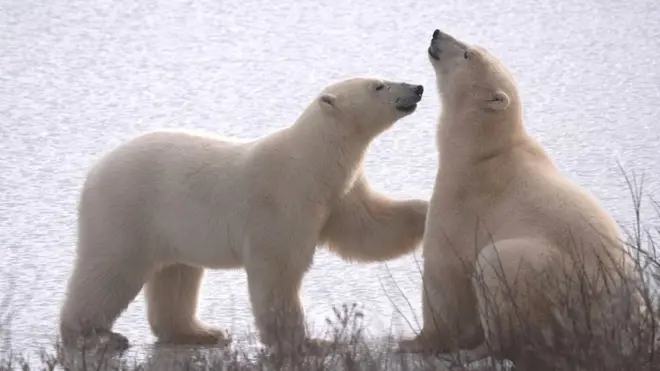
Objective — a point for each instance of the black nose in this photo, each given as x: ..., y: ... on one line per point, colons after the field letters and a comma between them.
x: 436, y: 34
x: 419, y: 90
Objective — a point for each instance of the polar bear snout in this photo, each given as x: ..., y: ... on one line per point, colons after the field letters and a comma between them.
x: 445, y: 45
x: 439, y: 35
x: 434, y: 52
x: 435, y: 49
x: 411, y: 95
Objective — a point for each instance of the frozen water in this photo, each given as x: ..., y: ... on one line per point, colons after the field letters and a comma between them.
x: 78, y: 77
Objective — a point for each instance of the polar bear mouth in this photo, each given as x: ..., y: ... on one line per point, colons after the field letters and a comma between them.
x: 435, y: 54
x: 407, y: 108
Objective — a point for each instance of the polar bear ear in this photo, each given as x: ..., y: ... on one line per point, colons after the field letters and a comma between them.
x: 327, y: 101
x: 498, y: 100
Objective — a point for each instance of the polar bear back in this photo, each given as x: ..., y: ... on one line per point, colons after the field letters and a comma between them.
x: 158, y: 187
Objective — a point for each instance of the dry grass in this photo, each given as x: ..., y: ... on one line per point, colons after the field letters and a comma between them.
x: 350, y: 352
x: 626, y: 344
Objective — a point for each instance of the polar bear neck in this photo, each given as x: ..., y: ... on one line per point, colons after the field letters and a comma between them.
x: 327, y: 149
x: 466, y: 136
x: 486, y: 159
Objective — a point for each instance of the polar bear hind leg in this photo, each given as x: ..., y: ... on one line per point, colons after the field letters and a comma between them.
x: 172, y: 295
x: 513, y: 282
x: 96, y: 296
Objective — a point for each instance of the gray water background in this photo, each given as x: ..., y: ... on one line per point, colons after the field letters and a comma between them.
x: 79, y: 77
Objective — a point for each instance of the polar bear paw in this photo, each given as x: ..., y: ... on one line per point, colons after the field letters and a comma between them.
x: 419, y: 344
x: 197, y: 336
x: 105, y: 340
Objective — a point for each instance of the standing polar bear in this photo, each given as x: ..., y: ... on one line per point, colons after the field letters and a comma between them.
x: 500, y: 209
x: 162, y: 207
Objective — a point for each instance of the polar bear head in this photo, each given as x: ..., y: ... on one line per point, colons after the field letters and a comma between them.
x: 370, y: 105
x: 470, y: 78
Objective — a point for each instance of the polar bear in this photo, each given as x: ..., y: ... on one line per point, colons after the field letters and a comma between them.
x: 164, y: 206
x: 500, y: 208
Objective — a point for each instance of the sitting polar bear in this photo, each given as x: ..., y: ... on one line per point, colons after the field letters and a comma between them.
x: 164, y: 206
x: 500, y: 208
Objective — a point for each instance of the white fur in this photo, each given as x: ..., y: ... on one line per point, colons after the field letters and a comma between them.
x: 502, y: 217
x: 164, y: 206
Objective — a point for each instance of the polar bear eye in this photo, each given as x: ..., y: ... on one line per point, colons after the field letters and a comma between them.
x: 466, y: 55
x: 379, y: 86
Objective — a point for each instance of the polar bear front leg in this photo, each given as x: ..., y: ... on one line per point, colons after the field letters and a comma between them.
x: 366, y: 226
x: 449, y: 309
x: 430, y: 339
x: 275, y: 271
